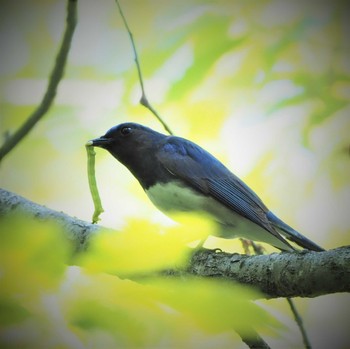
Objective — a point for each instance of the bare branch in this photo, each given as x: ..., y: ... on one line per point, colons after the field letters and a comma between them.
x: 254, y: 341
x: 144, y: 100
x: 305, y: 274
x: 299, y: 320
x: 55, y: 78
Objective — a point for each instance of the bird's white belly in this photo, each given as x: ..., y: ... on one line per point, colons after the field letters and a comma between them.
x: 172, y: 198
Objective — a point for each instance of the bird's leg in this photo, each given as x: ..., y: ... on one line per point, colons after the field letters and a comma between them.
x: 249, y: 244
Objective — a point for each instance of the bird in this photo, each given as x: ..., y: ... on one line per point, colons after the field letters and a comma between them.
x: 179, y: 176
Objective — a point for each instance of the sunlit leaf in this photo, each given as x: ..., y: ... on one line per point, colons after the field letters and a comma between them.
x: 292, y: 146
x: 143, y: 246
x: 32, y: 255
x: 215, y: 306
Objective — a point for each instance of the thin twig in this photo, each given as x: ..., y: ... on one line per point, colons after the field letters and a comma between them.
x: 55, y: 78
x: 254, y: 341
x: 299, y: 321
x: 144, y: 100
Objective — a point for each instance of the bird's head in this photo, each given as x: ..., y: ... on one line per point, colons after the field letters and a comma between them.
x: 129, y: 143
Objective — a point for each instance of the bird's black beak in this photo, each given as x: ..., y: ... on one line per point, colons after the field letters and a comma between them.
x: 101, y: 142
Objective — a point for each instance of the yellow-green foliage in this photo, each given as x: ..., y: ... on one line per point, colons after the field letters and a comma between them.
x: 49, y: 304
x: 263, y: 85
x: 143, y: 246
x: 32, y: 257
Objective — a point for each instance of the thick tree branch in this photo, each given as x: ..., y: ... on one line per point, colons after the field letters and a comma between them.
x: 77, y: 231
x: 306, y: 274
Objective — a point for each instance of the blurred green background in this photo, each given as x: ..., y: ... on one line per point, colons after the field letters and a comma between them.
x: 264, y: 86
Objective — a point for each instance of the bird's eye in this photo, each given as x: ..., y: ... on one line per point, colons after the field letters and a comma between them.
x: 125, y: 130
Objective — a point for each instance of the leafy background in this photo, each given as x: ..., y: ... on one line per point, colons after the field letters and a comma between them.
x: 262, y: 85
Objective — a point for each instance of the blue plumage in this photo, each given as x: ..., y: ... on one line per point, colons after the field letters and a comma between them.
x: 179, y: 175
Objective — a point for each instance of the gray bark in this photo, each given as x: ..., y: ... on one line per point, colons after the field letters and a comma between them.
x: 305, y: 274
x: 77, y: 231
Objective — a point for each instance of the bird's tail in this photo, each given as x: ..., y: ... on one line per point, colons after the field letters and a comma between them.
x: 292, y: 234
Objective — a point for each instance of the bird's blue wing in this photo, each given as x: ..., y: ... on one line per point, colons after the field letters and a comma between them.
x: 205, y: 173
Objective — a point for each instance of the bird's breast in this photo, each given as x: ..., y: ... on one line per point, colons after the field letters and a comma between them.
x: 175, y: 197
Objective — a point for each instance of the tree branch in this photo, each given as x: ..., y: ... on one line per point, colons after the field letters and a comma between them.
x: 77, y: 231
x: 55, y: 78
x: 144, y: 100
x: 254, y: 341
x: 305, y: 274
x: 299, y: 321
